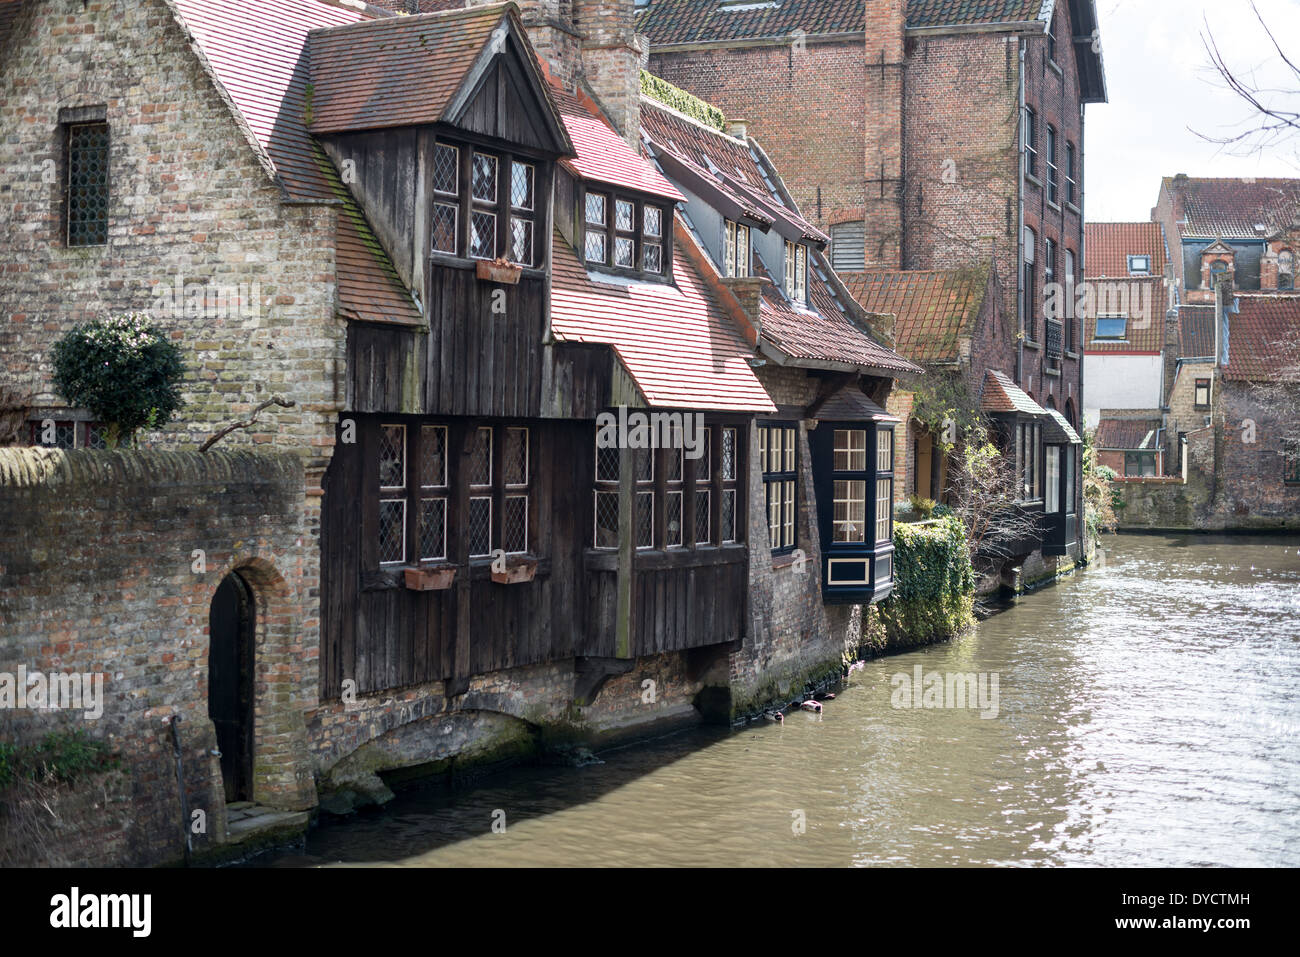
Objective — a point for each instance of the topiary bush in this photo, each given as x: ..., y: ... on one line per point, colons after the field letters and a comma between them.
x: 123, y: 369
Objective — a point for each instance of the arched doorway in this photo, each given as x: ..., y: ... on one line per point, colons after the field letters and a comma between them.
x: 232, y: 626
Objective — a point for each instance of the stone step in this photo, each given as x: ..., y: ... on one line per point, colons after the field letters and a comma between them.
x: 264, y: 823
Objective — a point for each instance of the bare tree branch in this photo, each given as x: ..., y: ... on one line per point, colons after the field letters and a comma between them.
x: 244, y: 424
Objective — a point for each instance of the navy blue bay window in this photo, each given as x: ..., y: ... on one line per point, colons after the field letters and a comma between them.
x: 853, y: 477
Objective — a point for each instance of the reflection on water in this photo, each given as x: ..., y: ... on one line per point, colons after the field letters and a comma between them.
x: 1148, y: 715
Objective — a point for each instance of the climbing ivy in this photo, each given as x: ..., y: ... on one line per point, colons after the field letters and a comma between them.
x: 942, y: 403
x: 934, y: 585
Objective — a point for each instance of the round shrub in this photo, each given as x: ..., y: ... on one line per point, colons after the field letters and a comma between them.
x: 123, y: 369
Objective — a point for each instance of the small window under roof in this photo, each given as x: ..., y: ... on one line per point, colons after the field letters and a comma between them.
x: 1111, y: 327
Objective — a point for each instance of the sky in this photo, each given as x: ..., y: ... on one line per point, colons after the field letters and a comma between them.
x: 1160, y: 82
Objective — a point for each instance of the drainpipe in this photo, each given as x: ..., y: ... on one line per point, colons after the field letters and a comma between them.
x: 180, y: 784
x: 1020, y: 216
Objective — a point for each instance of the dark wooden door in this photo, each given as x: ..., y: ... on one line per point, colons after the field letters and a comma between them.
x: 231, y: 627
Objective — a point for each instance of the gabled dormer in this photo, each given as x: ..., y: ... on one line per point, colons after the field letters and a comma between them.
x: 442, y: 127
x: 1218, y: 262
x: 611, y: 205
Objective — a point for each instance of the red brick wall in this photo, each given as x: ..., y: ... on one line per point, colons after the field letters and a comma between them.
x: 812, y: 129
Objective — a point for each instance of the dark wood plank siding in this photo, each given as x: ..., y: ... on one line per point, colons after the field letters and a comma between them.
x: 384, y: 636
x: 483, y: 361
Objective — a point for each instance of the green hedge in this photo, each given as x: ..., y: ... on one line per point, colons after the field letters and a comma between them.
x: 682, y: 102
x: 934, y: 587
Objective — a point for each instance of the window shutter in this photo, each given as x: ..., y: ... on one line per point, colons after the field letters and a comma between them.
x: 848, y: 246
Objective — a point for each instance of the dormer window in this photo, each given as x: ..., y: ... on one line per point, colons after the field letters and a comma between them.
x: 796, y: 271
x: 1218, y: 269
x: 1111, y: 327
x: 1139, y: 265
x: 484, y: 205
x: 1285, y: 270
x: 623, y: 232
x: 735, y: 254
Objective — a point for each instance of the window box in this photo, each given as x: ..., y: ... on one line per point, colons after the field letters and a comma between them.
x: 430, y: 577
x: 499, y: 270
x: 518, y: 569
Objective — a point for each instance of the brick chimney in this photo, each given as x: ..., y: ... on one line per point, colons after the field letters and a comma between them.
x: 552, y: 34
x: 593, y: 41
x: 883, y: 206
x: 612, y: 54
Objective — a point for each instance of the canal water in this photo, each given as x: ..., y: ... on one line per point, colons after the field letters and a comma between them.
x: 1147, y: 713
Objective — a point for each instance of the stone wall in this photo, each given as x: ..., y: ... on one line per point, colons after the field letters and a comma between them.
x: 1234, y: 469
x: 108, y: 565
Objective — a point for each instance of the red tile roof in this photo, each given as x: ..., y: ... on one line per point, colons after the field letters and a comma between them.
x: 1000, y: 394
x: 1143, y: 301
x: 947, y: 12
x: 1263, y: 338
x: 603, y: 155
x: 1127, y: 434
x: 257, y: 52
x: 828, y: 334
x: 695, y: 21
x: 1231, y: 208
x: 935, y: 309
x: 674, y: 340
x: 397, y: 71
x: 1195, y: 332
x: 1107, y: 247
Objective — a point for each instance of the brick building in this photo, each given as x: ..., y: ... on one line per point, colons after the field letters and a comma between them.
x: 947, y: 134
x: 457, y: 266
x: 921, y: 136
x: 1223, y: 431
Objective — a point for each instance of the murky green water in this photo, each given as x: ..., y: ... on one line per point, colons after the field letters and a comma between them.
x: 1148, y: 714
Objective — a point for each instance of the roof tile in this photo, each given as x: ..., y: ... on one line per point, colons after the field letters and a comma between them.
x: 935, y: 309
x: 1196, y: 332
x: 603, y: 155
x: 1107, y: 247
x: 1144, y: 302
x: 396, y: 71
x: 1127, y: 434
x: 674, y: 339
x: 1231, y: 208
x: 1263, y: 338
x: 696, y: 21
x: 1000, y: 394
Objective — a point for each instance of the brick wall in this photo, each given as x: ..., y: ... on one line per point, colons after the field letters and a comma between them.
x: 98, y: 576
x: 189, y: 202
x: 783, y: 93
